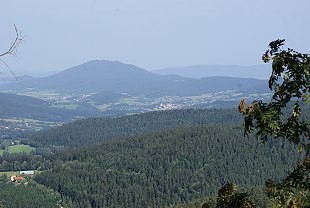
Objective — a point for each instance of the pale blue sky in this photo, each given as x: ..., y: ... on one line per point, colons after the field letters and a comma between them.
x: 151, y: 34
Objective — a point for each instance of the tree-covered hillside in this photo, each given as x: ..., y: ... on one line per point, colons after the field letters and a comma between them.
x: 28, y: 195
x: 93, y: 130
x: 153, y: 159
x: 28, y: 107
x: 156, y: 169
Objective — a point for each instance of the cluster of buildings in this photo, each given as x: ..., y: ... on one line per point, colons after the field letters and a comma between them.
x: 22, y: 175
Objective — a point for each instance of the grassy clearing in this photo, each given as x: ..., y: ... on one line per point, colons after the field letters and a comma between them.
x: 10, y: 173
x: 20, y: 148
x: 17, y: 173
x: 1, y: 152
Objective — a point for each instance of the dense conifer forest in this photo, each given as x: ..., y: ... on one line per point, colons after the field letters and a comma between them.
x: 93, y: 130
x: 157, y: 169
x: 154, y: 159
x: 29, y: 195
x: 151, y: 160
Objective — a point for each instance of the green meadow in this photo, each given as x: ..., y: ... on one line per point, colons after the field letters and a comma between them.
x: 19, y: 148
x: 9, y: 173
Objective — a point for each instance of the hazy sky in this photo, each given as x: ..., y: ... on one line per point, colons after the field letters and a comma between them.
x: 151, y: 34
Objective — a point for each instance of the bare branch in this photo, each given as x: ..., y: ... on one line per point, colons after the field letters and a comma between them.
x: 12, y: 49
x: 7, y: 66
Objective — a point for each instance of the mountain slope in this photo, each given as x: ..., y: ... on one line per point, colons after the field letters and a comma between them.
x: 28, y: 107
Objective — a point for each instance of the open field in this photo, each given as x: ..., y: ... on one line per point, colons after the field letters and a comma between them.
x: 10, y: 173
x: 17, y: 173
x: 20, y: 148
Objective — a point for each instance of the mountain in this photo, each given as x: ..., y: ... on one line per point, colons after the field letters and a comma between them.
x: 99, y: 76
x: 261, y: 71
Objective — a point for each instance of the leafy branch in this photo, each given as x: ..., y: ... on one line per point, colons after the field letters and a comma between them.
x: 290, y: 81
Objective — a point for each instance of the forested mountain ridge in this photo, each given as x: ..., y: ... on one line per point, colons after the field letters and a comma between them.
x: 157, y: 169
x: 93, y: 130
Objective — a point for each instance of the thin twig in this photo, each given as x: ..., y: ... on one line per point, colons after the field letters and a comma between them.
x: 7, y: 66
x: 12, y: 49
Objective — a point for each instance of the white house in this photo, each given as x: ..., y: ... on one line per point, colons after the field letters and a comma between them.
x: 27, y: 172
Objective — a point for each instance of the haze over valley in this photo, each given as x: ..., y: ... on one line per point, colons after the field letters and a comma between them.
x: 110, y: 88
x: 154, y: 104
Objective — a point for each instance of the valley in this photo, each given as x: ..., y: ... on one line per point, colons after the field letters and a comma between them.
x: 107, y: 88
x: 117, y: 104
x: 154, y: 104
x: 97, y: 139
x: 106, y: 102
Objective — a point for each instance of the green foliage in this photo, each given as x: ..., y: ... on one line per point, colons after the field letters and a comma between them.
x: 290, y: 81
x: 294, y: 189
x: 228, y: 198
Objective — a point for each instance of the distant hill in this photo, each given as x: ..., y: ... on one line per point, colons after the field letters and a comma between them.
x: 99, y: 76
x: 261, y: 71
x: 28, y: 107
x: 220, y: 83
x: 94, y: 130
